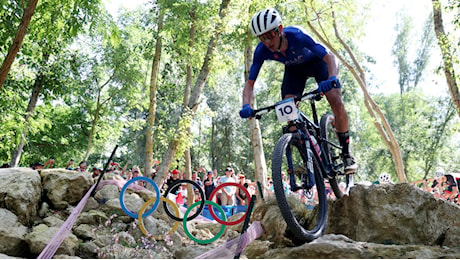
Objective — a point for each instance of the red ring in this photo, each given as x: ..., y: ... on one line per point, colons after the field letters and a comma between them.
x: 228, y: 223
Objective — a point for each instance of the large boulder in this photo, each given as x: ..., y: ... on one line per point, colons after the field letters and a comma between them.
x: 64, y: 188
x: 338, y: 246
x: 395, y: 214
x: 12, y: 235
x: 20, y: 192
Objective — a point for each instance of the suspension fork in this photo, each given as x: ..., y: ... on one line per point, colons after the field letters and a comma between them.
x: 307, y: 179
x: 290, y: 170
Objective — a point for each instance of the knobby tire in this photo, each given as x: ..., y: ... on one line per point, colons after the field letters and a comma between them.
x: 304, y: 234
x: 332, y: 154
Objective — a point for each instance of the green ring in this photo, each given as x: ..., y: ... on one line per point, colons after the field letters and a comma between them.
x: 222, y: 229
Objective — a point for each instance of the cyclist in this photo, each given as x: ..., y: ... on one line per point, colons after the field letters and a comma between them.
x: 303, y: 58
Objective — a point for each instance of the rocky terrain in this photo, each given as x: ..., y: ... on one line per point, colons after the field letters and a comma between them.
x: 378, y: 221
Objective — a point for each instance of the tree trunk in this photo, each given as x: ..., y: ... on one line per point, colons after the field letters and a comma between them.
x: 380, y: 121
x: 213, y: 144
x: 37, y: 88
x: 17, y: 42
x: 444, y: 44
x: 260, y: 165
x: 96, y: 115
x: 188, y: 176
x: 188, y: 89
x: 193, y: 102
x: 94, y: 122
x: 153, y: 100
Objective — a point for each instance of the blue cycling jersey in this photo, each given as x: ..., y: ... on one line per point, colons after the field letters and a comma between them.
x: 301, y: 50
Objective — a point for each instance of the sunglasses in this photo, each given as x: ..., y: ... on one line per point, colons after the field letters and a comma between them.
x: 267, y: 36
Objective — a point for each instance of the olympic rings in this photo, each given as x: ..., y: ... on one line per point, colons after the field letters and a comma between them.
x: 141, y: 220
x: 155, y: 205
x: 156, y: 200
x: 202, y: 202
x: 229, y: 223
x: 222, y: 229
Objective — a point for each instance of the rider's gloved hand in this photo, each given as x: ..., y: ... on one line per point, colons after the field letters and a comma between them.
x: 326, y: 85
x: 246, y: 111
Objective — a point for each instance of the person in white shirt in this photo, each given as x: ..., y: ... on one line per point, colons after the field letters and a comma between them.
x: 228, y: 192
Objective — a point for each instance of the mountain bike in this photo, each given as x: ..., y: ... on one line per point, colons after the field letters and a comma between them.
x: 310, y: 153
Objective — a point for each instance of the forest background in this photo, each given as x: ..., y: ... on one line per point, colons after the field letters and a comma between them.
x: 164, y: 81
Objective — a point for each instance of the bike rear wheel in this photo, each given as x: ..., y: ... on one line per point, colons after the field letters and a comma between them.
x: 289, y: 149
x: 340, y: 183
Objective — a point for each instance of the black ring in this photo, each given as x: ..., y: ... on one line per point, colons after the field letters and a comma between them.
x: 200, y: 190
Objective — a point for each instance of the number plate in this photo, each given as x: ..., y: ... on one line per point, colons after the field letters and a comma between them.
x: 286, y: 110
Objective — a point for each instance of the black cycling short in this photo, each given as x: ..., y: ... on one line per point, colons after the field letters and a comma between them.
x: 295, y: 76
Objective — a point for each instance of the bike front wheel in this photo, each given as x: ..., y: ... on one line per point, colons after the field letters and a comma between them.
x: 291, y: 155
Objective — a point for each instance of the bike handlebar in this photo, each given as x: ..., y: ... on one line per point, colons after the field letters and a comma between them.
x: 311, y: 95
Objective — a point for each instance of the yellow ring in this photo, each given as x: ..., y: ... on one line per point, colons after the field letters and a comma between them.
x: 141, y: 221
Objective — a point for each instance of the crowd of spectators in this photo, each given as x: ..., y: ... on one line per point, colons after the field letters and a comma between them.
x: 444, y: 186
x: 209, y: 180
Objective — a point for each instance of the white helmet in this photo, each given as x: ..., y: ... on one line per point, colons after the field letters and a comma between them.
x: 438, y: 173
x: 265, y: 21
x: 384, y: 178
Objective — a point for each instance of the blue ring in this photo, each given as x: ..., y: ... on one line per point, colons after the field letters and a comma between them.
x: 155, y: 205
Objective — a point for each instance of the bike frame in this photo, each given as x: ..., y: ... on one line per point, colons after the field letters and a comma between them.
x: 305, y: 135
x: 305, y: 128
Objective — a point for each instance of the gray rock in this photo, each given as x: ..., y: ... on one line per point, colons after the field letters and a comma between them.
x: 374, y: 221
x: 20, y: 192
x: 395, y: 214
x: 12, y: 234
x: 65, y: 188
x: 41, y: 235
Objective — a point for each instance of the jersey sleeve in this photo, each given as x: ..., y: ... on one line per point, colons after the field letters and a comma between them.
x: 257, y: 62
x: 318, y: 49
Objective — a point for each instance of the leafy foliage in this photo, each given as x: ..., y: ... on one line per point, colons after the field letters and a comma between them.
x: 96, y: 71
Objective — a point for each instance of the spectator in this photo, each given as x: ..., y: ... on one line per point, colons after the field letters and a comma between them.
x: 329, y: 193
x: 96, y: 172
x: 36, y: 166
x: 172, y: 179
x: 209, y: 184
x: 228, y: 193
x: 197, y: 196
x: 202, y: 170
x: 115, y: 167
x: 252, y: 189
x: 241, y: 198
x: 81, y: 167
x: 135, y: 172
x: 184, y: 193
x: 123, y: 171
x: 287, y: 187
x: 49, y: 163
x: 196, y: 179
x: 69, y: 164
